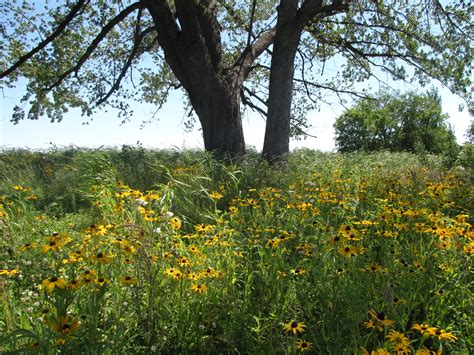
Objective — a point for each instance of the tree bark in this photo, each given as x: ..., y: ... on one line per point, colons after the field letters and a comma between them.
x: 218, y: 109
x: 287, y: 38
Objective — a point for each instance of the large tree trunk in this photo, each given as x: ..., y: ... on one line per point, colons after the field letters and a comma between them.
x: 218, y: 109
x: 191, y: 42
x: 290, y: 25
x: 287, y: 38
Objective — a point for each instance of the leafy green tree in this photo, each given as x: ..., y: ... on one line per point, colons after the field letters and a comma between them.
x: 410, y: 122
x: 225, y: 55
x: 470, y: 133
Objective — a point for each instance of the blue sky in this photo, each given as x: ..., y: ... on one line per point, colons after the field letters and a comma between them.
x: 167, y: 129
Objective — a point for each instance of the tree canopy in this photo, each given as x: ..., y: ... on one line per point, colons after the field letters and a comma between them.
x: 223, y: 54
x: 405, y: 122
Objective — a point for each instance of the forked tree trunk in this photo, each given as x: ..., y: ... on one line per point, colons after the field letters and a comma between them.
x: 190, y: 39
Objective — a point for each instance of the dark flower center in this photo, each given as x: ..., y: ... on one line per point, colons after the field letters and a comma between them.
x: 294, y: 324
x: 53, y: 279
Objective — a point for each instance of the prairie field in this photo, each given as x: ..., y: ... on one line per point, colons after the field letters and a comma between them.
x: 117, y: 251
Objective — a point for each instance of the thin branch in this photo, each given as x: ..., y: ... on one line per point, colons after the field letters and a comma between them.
x: 127, y: 65
x: 102, y: 34
x: 70, y: 16
x: 250, y: 104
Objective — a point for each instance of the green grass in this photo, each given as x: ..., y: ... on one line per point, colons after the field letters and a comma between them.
x: 139, y: 251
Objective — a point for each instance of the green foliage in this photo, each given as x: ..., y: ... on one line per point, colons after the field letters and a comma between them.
x: 419, y: 40
x: 410, y: 122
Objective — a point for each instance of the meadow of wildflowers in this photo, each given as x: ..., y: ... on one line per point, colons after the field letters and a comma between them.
x: 135, y: 251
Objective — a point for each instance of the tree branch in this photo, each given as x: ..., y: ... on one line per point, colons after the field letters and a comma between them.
x: 70, y: 16
x: 243, y: 65
x: 210, y: 29
x: 314, y: 8
x: 127, y: 64
x: 102, y: 34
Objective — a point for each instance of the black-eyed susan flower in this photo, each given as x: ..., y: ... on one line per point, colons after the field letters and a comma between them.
x: 101, y: 281
x: 175, y: 223
x: 396, y: 338
x: 127, y: 280
x: 73, y: 284
x: 64, y: 325
x: 442, y: 334
x: 377, y: 321
x: 88, y: 277
x: 304, y: 345
x: 51, y: 283
x: 424, y: 328
x: 374, y: 267
x: 103, y: 258
x: 199, y: 288
x: 27, y: 246
x: 298, y: 271
x: 294, y: 327
x: 183, y: 261
x: 426, y: 351
x: 350, y: 250
x: 215, y: 195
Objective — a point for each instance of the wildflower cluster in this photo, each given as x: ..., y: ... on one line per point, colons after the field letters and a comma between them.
x: 328, y: 260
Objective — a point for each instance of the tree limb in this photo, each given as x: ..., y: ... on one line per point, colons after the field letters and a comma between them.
x: 102, y: 34
x: 70, y: 16
x: 127, y: 65
x: 210, y: 29
x: 243, y: 65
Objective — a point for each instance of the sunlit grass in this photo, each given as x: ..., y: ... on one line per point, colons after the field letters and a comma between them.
x: 141, y: 251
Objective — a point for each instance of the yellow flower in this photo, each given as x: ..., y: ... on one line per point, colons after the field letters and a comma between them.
x: 350, y: 250
x: 442, y: 334
x: 52, y: 282
x: 375, y: 267
x: 424, y: 328
x: 175, y: 223
x: 184, y: 261
x: 64, y: 325
x: 297, y: 271
x: 199, y: 288
x: 397, y: 338
x: 304, y: 345
x: 378, y: 321
x: 128, y: 280
x: 426, y: 351
x: 73, y: 284
x: 4, y: 272
x: 88, y: 277
x: 103, y: 258
x: 21, y: 188
x: 101, y: 281
x: 294, y: 327
x: 216, y: 195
